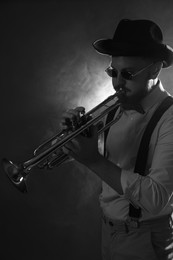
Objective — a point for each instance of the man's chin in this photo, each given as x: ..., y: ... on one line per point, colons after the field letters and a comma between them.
x: 124, y: 98
x: 127, y: 98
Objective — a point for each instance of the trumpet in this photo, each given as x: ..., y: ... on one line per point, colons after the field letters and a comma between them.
x: 53, y: 155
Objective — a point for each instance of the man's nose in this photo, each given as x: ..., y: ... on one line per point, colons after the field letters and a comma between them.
x: 118, y: 81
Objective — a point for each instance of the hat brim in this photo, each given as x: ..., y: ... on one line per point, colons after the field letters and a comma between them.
x: 111, y: 48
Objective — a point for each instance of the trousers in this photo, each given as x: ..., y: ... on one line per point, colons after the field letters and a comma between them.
x: 149, y: 240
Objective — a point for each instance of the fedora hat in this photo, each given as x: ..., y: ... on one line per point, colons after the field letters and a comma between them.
x: 142, y: 38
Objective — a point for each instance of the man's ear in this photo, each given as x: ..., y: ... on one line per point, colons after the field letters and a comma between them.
x: 156, y: 69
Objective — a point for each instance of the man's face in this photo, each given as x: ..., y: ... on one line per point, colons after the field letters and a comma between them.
x: 136, y: 88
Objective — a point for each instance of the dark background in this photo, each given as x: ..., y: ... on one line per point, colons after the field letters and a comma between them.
x: 47, y: 64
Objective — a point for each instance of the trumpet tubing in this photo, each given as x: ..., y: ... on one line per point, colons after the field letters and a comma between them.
x: 53, y: 155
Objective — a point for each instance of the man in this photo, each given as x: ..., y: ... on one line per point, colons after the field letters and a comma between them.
x: 138, y: 55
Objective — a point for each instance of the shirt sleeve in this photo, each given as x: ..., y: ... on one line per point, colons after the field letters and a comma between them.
x: 154, y: 191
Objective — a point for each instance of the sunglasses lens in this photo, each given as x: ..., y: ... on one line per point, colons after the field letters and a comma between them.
x: 126, y: 75
x: 111, y: 72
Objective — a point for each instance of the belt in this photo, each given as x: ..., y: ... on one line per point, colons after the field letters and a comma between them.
x: 125, y: 225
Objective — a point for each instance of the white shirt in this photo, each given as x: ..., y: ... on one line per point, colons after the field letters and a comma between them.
x: 154, y: 192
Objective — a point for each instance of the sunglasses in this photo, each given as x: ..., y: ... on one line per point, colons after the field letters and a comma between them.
x: 125, y: 74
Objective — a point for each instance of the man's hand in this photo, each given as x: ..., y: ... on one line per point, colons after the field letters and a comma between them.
x: 82, y: 148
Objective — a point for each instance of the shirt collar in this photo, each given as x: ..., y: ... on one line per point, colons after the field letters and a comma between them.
x: 154, y: 97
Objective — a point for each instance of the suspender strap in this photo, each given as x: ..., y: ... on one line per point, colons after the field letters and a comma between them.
x: 144, y: 145
x: 142, y: 155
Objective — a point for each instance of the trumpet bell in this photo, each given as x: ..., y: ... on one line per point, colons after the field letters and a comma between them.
x: 15, y: 174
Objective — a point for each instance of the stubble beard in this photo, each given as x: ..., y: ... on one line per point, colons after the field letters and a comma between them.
x: 133, y: 99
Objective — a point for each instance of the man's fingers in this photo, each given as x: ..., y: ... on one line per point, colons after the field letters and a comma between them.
x: 71, y: 118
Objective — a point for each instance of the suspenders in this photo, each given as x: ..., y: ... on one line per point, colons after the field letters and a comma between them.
x: 142, y: 154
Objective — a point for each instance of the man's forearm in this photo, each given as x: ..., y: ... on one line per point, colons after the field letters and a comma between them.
x: 108, y: 172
